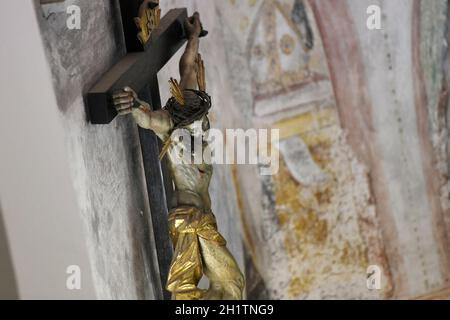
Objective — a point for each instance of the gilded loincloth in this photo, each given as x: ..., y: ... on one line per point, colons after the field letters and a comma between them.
x: 186, y: 225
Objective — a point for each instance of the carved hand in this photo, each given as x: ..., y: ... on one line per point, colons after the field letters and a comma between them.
x: 193, y: 26
x: 126, y: 99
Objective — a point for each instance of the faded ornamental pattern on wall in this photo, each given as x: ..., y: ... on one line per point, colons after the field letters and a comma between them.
x: 316, y: 231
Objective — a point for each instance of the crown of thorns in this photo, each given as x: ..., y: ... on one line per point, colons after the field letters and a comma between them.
x: 187, y: 106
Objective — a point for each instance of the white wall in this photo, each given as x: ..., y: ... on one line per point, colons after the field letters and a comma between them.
x: 39, y: 207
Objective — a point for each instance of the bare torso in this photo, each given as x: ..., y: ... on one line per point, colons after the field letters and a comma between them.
x: 191, y: 180
x: 191, y: 185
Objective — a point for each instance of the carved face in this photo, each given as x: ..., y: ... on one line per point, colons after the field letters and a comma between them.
x: 199, y: 128
x: 189, y: 139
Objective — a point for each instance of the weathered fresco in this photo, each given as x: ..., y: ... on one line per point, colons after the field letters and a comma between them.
x: 363, y: 119
x: 318, y: 223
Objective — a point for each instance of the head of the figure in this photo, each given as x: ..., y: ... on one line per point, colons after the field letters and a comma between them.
x: 189, y: 110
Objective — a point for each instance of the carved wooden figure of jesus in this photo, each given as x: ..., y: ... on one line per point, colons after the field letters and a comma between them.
x: 199, y: 249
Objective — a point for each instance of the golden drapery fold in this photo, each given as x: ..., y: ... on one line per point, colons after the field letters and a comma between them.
x: 186, y: 225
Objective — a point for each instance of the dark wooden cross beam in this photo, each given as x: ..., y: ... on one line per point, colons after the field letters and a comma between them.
x: 138, y: 70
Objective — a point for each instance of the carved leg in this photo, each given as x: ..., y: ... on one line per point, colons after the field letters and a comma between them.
x: 186, y: 269
x: 225, y: 278
x: 200, y: 249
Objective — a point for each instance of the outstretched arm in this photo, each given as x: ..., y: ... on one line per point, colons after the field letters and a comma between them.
x: 126, y: 101
x: 188, y: 62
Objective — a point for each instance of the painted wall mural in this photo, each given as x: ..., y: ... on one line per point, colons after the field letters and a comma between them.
x: 318, y: 220
x: 357, y: 185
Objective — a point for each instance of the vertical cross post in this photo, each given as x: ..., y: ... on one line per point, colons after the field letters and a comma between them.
x: 138, y: 70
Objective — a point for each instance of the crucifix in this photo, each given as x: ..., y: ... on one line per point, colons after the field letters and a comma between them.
x: 178, y: 191
x: 138, y: 69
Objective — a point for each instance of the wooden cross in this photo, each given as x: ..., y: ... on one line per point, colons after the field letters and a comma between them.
x: 138, y: 70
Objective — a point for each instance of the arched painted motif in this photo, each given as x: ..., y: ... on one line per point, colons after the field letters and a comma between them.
x: 286, y: 61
